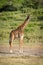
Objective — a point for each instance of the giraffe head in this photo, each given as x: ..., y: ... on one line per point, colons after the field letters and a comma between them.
x: 28, y: 17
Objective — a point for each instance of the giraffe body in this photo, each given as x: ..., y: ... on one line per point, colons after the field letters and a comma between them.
x: 18, y: 33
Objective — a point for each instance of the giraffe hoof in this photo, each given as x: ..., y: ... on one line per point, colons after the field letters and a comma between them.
x: 11, y: 51
x: 20, y: 51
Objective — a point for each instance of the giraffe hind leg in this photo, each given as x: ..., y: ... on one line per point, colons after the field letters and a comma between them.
x: 10, y: 42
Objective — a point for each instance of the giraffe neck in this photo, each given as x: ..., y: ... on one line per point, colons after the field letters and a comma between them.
x: 25, y: 23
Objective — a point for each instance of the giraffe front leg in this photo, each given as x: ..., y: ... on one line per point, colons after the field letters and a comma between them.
x: 21, y: 45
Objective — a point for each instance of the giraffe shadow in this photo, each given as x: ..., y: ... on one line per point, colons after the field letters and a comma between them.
x: 6, y: 53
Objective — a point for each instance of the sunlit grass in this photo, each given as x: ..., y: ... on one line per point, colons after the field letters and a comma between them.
x: 21, y: 60
x: 11, y: 20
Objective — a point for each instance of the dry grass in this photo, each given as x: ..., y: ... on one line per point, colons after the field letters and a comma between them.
x: 21, y: 60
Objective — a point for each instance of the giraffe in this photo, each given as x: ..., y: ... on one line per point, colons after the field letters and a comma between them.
x: 18, y: 33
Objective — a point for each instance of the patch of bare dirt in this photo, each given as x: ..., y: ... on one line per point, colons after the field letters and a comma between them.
x: 27, y: 50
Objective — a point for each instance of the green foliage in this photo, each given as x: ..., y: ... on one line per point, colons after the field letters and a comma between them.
x: 3, y: 2
x: 11, y: 20
x: 20, y: 4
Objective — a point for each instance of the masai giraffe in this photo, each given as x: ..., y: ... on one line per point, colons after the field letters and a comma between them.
x: 18, y: 33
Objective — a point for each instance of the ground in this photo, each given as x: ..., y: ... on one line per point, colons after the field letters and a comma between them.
x: 35, y: 50
x: 32, y: 55
x: 26, y: 60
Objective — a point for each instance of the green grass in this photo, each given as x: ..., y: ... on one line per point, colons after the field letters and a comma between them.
x: 21, y: 60
x: 11, y: 20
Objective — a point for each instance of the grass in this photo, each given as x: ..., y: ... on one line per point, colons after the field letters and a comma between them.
x: 21, y: 60
x: 11, y: 20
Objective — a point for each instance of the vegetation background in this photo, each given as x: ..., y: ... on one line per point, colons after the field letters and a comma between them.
x: 14, y: 12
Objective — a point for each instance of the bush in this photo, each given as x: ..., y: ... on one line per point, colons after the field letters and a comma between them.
x: 8, y: 8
